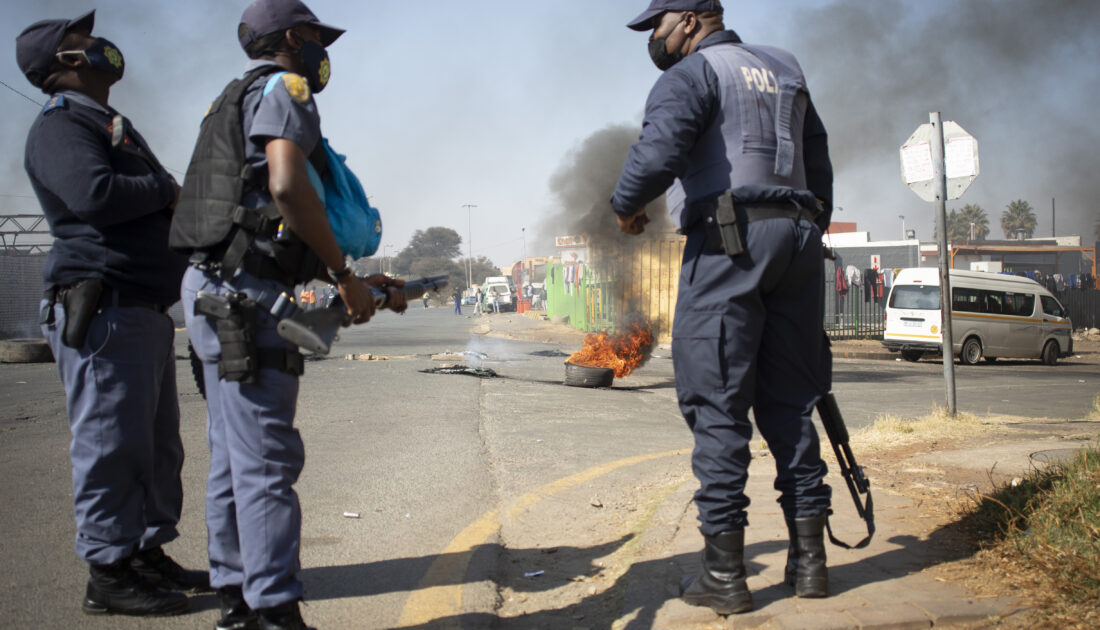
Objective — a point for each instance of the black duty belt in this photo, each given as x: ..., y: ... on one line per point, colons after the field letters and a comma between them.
x: 702, y: 213
x: 110, y: 297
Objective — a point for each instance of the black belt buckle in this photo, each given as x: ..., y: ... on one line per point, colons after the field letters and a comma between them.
x: 725, y: 217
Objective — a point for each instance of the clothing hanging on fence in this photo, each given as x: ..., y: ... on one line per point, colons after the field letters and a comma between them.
x: 1059, y: 283
x: 855, y: 278
x: 842, y: 285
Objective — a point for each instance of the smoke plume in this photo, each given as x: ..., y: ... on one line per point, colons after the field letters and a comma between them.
x: 1019, y: 75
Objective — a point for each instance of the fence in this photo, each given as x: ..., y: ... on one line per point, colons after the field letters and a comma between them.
x: 1083, y: 306
x: 642, y: 279
x: 856, y: 315
x: 21, y: 291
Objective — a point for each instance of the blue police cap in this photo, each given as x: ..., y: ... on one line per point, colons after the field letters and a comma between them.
x: 648, y: 19
x: 36, y: 47
x: 264, y: 17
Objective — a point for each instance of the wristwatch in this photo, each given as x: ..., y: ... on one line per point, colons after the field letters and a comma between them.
x: 340, y: 274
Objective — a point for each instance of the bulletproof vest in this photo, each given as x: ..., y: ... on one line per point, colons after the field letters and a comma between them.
x: 210, y: 217
x: 217, y: 177
x: 756, y: 137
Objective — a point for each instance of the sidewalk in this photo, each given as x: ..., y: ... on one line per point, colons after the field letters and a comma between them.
x: 904, y: 579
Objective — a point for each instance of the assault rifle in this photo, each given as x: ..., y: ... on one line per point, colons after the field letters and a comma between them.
x: 849, y: 469
x: 315, y: 330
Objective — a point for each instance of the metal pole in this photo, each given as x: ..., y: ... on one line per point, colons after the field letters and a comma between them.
x: 469, y: 245
x: 1052, y: 232
x: 902, y: 217
x: 940, y: 179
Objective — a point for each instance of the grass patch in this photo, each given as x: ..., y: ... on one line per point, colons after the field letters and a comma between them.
x: 889, y: 431
x: 1043, y: 534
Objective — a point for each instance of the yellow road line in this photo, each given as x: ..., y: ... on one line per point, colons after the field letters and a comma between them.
x: 439, y: 594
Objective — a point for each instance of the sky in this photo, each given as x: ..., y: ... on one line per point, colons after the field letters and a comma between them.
x: 440, y: 104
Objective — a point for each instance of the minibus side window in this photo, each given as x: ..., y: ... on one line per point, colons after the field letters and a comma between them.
x: 1022, y: 304
x: 1052, y: 307
x: 965, y: 300
x: 994, y: 302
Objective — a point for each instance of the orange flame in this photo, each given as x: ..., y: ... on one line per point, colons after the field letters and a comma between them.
x: 621, y: 352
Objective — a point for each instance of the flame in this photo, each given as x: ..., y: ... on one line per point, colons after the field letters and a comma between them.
x: 622, y: 352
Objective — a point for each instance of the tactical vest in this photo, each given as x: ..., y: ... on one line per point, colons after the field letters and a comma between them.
x: 210, y: 220
x: 756, y: 137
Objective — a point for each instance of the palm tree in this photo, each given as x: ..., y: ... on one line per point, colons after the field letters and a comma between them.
x: 1018, y: 217
x: 958, y: 229
x: 973, y: 213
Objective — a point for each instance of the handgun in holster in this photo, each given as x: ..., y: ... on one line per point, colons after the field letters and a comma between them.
x: 80, y: 301
x: 235, y: 320
x: 723, y: 231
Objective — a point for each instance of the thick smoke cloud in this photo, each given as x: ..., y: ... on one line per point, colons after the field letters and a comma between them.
x: 582, y: 186
x: 1020, y: 75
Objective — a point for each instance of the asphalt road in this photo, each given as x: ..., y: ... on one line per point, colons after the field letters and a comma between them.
x: 425, y: 460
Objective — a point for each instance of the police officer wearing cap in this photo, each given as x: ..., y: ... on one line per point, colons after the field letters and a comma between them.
x: 732, y: 135
x: 109, y: 281
x: 256, y: 454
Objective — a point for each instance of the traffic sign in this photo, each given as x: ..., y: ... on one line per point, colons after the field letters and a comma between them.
x: 960, y: 161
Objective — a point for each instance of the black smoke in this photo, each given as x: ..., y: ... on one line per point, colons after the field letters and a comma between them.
x: 1020, y: 75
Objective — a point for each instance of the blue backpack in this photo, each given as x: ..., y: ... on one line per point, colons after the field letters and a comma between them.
x: 356, y: 224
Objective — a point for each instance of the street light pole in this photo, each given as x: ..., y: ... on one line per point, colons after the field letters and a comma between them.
x: 469, y: 244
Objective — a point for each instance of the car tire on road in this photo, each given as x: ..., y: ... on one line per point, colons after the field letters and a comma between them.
x: 971, y: 352
x: 1050, y: 353
x: 25, y: 351
x: 588, y: 376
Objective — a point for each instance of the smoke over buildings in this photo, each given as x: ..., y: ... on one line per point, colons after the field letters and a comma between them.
x: 1017, y: 74
x: 582, y: 188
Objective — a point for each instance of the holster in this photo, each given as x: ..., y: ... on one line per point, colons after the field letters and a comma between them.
x: 723, y: 229
x: 80, y: 301
x: 237, y: 336
x: 236, y: 322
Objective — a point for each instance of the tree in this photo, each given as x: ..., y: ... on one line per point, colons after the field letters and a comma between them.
x: 957, y: 228
x: 434, y: 242
x: 483, y: 268
x: 1018, y: 217
x: 973, y: 213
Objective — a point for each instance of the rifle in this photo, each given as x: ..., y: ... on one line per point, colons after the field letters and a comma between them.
x: 849, y: 469
x: 315, y: 330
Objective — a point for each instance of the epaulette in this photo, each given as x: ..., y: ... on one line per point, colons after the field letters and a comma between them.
x: 56, y: 101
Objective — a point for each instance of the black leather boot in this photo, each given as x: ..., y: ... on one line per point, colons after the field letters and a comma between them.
x: 806, y: 570
x: 721, y: 586
x: 283, y: 617
x: 117, y: 589
x: 159, y: 569
x: 236, y: 615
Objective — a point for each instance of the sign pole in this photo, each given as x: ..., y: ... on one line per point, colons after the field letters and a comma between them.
x: 940, y: 183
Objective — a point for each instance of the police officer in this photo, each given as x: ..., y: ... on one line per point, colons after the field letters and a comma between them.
x: 730, y: 131
x: 109, y: 281
x: 251, y: 374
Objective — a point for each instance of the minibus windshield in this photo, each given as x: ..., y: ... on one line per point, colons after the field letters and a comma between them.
x: 915, y: 297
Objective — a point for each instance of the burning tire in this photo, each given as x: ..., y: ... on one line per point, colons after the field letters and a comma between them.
x: 588, y: 376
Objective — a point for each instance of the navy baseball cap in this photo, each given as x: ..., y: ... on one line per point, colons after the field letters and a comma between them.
x: 647, y: 21
x: 36, y: 47
x: 264, y: 17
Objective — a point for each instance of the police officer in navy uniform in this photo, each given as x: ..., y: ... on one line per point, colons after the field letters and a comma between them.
x: 731, y: 133
x: 110, y: 280
x: 256, y: 454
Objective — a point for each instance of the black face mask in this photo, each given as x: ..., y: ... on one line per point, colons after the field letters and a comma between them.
x: 658, y: 51
x: 318, y: 67
x: 101, y: 55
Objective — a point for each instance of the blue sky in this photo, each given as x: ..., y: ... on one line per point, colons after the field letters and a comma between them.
x: 439, y: 104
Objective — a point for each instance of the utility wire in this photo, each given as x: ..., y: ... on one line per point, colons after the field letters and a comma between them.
x: 167, y: 168
x: 21, y: 94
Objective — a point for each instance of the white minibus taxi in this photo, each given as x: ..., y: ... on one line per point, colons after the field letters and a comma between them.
x: 993, y: 315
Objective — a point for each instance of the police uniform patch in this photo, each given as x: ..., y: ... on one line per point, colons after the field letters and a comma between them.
x: 55, y: 102
x: 296, y: 86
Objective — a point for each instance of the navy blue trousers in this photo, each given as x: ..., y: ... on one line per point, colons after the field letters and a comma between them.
x: 748, y: 334
x: 126, y: 453
x: 253, y: 518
